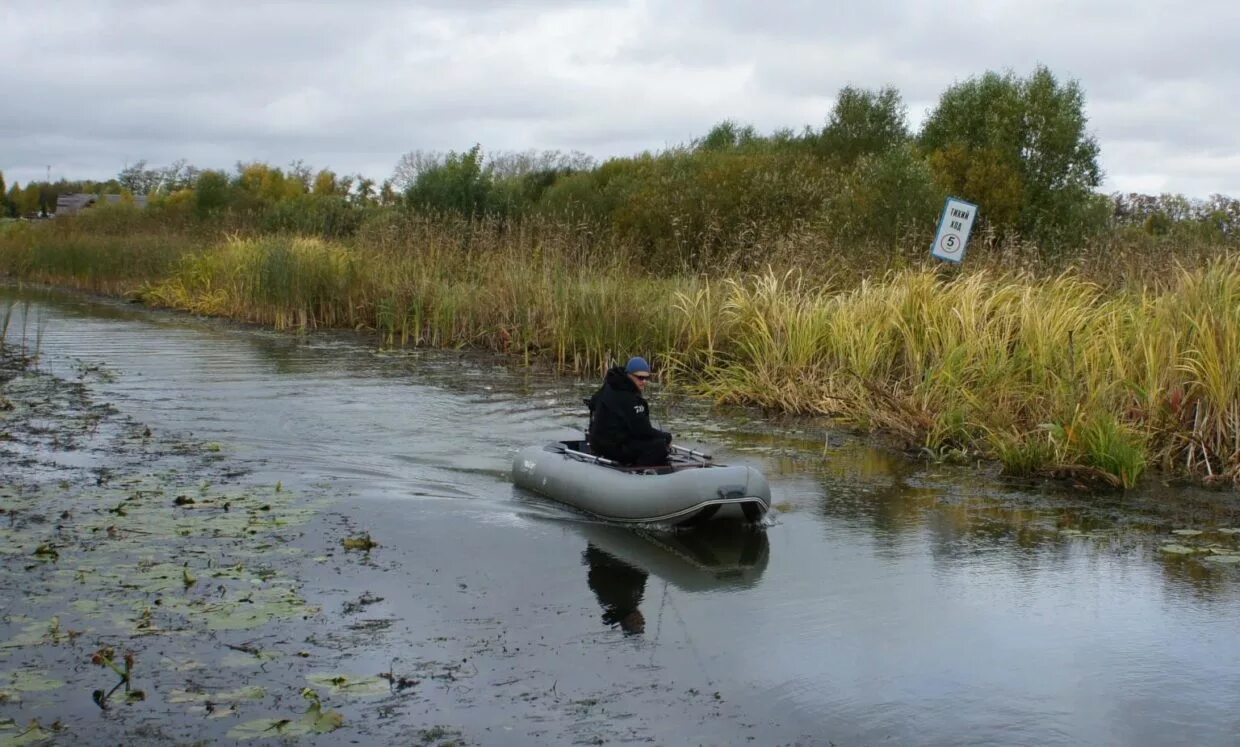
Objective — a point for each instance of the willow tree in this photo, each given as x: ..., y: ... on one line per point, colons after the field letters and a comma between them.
x: 864, y: 123
x: 1020, y: 149
x: 460, y: 183
x: 325, y: 183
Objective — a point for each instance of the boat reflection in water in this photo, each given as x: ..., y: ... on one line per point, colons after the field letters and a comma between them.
x: 619, y: 588
x: 620, y: 559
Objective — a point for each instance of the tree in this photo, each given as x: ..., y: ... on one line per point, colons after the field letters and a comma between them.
x: 864, y: 123
x: 267, y: 183
x: 325, y: 183
x: 387, y: 193
x: 300, y: 173
x: 460, y: 184
x: 412, y: 165
x: 176, y: 176
x: 727, y: 135
x: 140, y: 180
x: 13, y: 200
x: 211, y: 192
x: 4, y: 201
x: 519, y: 164
x: 886, y: 198
x: 31, y: 199
x: 365, y: 189
x: 1000, y: 138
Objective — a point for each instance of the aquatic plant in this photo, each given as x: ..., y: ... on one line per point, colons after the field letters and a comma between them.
x: 980, y: 361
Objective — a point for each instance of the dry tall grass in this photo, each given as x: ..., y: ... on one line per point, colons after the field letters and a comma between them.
x: 1086, y: 370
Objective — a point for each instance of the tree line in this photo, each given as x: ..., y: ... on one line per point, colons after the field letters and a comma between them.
x: 1017, y: 146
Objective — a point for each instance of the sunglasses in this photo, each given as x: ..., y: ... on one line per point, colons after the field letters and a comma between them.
x: 642, y: 377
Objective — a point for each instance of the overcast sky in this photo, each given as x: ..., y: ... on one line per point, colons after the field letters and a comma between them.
x: 86, y: 87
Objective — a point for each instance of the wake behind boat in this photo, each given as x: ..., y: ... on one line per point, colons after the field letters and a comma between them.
x: 691, y: 489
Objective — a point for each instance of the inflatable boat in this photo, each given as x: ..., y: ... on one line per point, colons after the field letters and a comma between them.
x: 691, y: 489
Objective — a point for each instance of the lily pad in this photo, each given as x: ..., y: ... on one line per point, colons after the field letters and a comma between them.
x: 253, y: 610
x: 34, y: 634
x: 253, y: 692
x: 1174, y: 549
x: 32, y: 735
x: 314, y: 721
x: 1186, y: 532
x: 1223, y: 559
x: 14, y: 684
x: 86, y: 606
x: 240, y: 660
x: 189, y: 665
x: 342, y: 684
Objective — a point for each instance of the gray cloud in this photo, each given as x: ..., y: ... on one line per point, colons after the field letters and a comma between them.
x: 90, y: 86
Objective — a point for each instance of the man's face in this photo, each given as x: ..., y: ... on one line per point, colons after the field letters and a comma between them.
x: 641, y: 379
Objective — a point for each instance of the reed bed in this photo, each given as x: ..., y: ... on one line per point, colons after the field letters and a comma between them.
x: 1048, y: 373
x: 110, y: 259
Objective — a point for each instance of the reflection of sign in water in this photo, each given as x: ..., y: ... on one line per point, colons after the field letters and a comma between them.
x: 954, y: 228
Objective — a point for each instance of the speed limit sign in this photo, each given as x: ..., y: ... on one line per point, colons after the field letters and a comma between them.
x: 954, y: 228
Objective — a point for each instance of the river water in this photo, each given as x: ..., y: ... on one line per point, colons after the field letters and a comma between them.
x: 888, y: 602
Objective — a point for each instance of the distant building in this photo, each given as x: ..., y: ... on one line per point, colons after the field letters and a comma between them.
x: 76, y: 203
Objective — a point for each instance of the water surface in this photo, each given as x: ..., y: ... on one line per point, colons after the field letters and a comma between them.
x: 888, y: 601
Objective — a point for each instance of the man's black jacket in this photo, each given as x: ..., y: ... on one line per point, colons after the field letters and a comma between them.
x: 619, y: 415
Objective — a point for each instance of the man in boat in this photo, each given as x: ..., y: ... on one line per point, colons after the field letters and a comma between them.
x: 620, y: 426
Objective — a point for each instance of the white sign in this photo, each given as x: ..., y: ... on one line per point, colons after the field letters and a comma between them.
x: 954, y: 228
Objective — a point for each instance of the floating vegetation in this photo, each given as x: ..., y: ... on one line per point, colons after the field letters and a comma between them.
x: 31, y: 735
x: 1174, y: 549
x: 343, y: 684
x: 248, y: 658
x: 314, y: 721
x: 14, y: 684
x: 438, y: 735
x: 170, y: 563
x: 361, y: 543
x: 1215, y: 546
x: 229, y: 696
x: 105, y: 657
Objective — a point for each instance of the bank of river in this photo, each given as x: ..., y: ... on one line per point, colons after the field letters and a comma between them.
x: 184, y: 490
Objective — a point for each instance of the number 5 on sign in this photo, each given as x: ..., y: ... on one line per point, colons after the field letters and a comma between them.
x: 954, y: 228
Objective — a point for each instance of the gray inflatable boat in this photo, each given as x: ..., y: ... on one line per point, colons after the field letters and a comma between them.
x: 690, y: 490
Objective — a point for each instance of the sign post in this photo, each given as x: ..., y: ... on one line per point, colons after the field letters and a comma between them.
x: 954, y: 228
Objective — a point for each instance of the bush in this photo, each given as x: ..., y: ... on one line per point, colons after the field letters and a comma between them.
x: 888, y: 199
x: 1018, y: 147
x: 211, y: 192
x: 326, y: 216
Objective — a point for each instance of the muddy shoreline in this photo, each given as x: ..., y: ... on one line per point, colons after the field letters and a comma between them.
x: 155, y: 593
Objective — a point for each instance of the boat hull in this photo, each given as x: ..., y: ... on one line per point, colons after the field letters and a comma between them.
x: 684, y: 497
